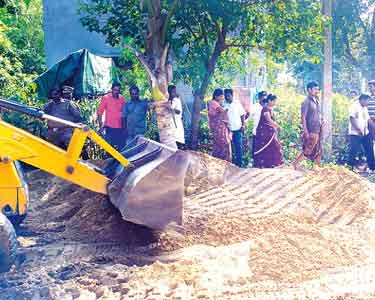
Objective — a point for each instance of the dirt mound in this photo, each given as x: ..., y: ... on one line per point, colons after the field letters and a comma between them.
x: 70, y: 212
x: 248, y: 234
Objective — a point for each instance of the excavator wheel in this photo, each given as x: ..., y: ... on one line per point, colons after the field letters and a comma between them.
x: 8, y: 244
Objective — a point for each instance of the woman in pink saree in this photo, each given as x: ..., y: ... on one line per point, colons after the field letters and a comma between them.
x: 267, y: 152
x: 218, y: 123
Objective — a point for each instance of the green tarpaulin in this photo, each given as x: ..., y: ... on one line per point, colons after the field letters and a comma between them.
x: 89, y: 74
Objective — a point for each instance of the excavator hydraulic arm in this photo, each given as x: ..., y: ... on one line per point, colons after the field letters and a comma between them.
x: 145, y: 181
x: 19, y: 145
x: 147, y: 189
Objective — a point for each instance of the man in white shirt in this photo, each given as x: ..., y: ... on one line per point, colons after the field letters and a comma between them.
x: 236, y: 115
x: 255, y: 113
x: 359, y: 136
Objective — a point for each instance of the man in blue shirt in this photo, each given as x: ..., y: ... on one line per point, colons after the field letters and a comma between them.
x: 135, y: 114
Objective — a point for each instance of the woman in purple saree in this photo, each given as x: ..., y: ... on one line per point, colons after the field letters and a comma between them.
x: 218, y: 123
x: 267, y: 152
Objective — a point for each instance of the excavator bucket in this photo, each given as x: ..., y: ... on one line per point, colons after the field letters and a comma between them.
x: 150, y: 192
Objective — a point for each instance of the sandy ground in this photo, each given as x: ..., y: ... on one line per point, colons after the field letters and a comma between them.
x: 248, y: 234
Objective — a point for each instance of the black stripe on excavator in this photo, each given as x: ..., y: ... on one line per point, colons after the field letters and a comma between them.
x: 130, y: 144
x: 134, y: 150
x: 147, y: 157
x: 111, y: 168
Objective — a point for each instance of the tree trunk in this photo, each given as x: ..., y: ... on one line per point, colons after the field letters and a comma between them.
x: 155, y: 62
x: 164, y: 115
x: 371, y: 48
x: 167, y: 130
x: 197, y: 105
x: 201, y: 92
x: 327, y: 83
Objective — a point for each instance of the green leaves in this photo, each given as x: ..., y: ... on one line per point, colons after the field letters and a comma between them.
x: 21, y: 45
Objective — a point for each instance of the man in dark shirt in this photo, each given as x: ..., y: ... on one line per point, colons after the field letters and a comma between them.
x: 311, y: 120
x: 135, y: 113
x: 60, y: 134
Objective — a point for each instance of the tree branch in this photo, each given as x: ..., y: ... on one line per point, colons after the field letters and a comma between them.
x: 234, y: 45
x: 348, y: 52
x: 164, y: 55
x: 371, y: 32
x: 188, y: 27
x: 171, y: 12
x: 143, y: 61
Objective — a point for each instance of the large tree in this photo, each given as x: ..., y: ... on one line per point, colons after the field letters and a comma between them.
x: 145, y: 28
x: 281, y: 29
x: 201, y: 32
x: 21, y: 45
x: 353, y: 31
x: 354, y: 34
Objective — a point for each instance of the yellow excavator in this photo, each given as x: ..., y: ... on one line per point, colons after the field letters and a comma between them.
x: 145, y: 181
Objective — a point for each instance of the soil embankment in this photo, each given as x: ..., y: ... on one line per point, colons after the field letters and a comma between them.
x: 248, y: 234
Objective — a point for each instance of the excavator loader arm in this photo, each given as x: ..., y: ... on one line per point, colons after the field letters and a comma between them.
x: 145, y: 181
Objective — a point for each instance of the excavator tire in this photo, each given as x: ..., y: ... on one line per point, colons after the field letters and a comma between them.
x: 8, y: 244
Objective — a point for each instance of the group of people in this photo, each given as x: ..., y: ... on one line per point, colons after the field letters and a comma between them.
x: 362, y: 128
x: 227, y: 124
x: 119, y: 120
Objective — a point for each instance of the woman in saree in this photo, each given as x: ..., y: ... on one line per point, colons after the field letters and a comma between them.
x: 218, y: 123
x: 267, y: 152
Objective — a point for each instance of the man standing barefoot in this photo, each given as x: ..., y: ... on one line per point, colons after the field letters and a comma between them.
x: 312, y: 126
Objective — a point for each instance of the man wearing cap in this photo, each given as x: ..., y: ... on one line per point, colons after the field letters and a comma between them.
x: 67, y: 92
x: 63, y: 108
x: 111, y: 107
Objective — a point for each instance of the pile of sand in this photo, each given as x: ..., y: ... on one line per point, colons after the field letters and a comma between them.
x: 67, y: 211
x: 250, y: 232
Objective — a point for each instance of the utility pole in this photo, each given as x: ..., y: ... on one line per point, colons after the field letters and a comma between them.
x: 327, y: 82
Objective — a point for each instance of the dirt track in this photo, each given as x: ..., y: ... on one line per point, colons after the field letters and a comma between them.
x: 248, y: 234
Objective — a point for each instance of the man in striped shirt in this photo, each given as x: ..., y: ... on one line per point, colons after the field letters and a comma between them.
x: 371, y: 108
x: 371, y: 104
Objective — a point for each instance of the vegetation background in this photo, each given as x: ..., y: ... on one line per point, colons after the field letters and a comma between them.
x: 22, y: 60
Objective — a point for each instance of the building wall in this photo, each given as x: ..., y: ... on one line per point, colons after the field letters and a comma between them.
x: 64, y: 33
